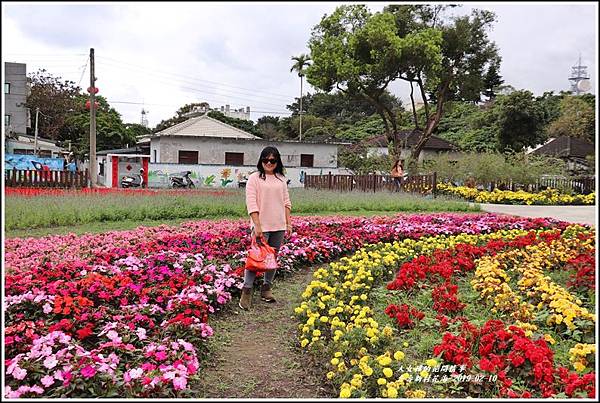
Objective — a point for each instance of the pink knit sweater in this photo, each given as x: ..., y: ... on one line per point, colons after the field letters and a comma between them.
x: 269, y: 198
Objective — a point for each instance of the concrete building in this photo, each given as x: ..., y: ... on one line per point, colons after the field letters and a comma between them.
x: 16, y: 116
x: 209, y: 147
x: 24, y: 144
x: 241, y: 113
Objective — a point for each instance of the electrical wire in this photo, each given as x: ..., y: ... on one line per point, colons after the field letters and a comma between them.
x: 196, y: 79
x: 170, y: 84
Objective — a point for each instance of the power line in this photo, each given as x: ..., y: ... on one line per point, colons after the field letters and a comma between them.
x: 198, y: 79
x: 172, y: 78
x: 172, y: 106
x: 170, y: 82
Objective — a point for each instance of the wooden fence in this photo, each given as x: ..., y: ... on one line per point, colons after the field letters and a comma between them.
x: 46, y: 179
x: 422, y: 184
x: 584, y: 185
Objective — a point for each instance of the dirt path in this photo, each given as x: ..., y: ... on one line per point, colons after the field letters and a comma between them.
x: 254, y: 355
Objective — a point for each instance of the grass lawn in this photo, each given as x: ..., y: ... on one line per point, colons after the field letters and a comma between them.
x: 79, y: 213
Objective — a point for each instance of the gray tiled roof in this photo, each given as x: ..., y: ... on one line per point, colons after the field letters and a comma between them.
x: 205, y: 126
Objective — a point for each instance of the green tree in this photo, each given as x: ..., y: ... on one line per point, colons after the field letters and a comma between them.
x: 518, y: 121
x: 577, y: 119
x: 300, y: 64
x: 179, y: 116
x: 358, y: 54
x: 111, y: 132
x: 268, y: 126
x: 137, y: 130
x: 492, y: 80
x: 55, y: 99
x: 466, y: 54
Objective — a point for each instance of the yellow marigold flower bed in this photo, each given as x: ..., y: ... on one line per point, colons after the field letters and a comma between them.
x: 336, y: 316
x: 545, y: 197
x: 491, y: 281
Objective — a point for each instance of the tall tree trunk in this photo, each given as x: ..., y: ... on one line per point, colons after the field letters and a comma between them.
x: 301, y: 108
x: 432, y: 124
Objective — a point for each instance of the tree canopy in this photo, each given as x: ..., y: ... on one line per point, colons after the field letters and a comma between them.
x: 361, y: 53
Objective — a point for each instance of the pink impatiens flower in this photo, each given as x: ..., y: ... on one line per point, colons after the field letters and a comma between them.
x: 161, y: 356
x: 47, y: 380
x: 179, y: 383
x: 50, y: 362
x: 88, y: 371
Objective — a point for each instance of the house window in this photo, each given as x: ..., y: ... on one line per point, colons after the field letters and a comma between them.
x: 7, y: 88
x: 23, y: 151
x: 6, y: 120
x: 234, y: 158
x: 188, y: 157
x: 155, y: 156
x: 101, y: 170
x: 307, y: 160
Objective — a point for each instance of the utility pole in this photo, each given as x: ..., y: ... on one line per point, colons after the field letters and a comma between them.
x: 92, y: 121
x: 35, y: 145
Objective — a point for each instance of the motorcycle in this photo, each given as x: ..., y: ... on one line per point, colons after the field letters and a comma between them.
x: 183, y: 181
x: 132, y: 181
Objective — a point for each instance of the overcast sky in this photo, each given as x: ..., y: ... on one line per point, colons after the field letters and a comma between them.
x: 160, y: 56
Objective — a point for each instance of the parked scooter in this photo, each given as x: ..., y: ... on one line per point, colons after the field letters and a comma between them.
x: 133, y: 181
x: 182, y: 181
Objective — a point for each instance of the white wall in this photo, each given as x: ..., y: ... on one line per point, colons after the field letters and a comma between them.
x: 158, y: 174
x: 212, y: 150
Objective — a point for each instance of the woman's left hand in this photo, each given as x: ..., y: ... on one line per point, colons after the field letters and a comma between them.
x: 288, y: 230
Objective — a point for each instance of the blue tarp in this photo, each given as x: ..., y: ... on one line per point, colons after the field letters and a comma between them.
x: 30, y: 162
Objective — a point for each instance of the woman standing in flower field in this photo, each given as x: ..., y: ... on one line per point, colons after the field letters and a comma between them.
x: 397, y: 173
x: 269, y: 206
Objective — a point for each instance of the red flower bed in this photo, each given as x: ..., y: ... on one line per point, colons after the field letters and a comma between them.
x: 404, y: 315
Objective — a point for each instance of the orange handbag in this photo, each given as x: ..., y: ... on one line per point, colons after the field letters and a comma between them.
x: 260, y: 258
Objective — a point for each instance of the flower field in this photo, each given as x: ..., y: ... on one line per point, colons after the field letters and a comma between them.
x: 545, y: 197
x: 27, y: 209
x: 506, y: 313
x: 128, y: 313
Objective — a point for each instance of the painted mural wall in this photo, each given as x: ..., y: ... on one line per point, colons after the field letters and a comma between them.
x: 221, y: 176
x: 31, y: 162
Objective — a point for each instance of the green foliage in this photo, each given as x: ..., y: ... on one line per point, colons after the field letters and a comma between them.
x: 179, y: 116
x: 577, y: 119
x: 55, y: 99
x: 517, y: 121
x: 111, y: 133
x: 490, y: 167
x: 366, y: 128
x: 358, y: 53
x: 357, y: 159
x: 76, y: 209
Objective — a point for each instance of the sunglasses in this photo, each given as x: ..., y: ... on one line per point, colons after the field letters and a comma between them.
x: 269, y: 161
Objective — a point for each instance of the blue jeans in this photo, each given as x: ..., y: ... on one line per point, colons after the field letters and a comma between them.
x: 274, y: 239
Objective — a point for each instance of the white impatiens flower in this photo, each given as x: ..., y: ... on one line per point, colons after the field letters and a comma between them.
x: 50, y: 362
x: 141, y: 333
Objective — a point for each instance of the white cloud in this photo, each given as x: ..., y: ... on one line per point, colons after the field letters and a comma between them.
x: 170, y: 54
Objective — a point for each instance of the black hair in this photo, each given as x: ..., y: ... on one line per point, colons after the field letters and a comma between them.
x: 270, y: 150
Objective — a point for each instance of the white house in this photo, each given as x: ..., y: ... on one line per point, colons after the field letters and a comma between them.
x: 218, y: 153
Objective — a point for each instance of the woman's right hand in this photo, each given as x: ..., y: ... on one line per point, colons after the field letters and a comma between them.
x: 258, y: 234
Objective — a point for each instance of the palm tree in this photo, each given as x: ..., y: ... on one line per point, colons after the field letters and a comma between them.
x: 300, y: 63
